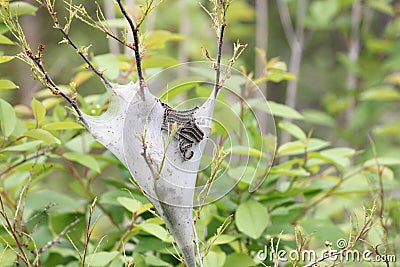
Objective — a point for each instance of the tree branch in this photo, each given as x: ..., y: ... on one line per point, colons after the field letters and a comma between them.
x: 37, y: 59
x: 56, y: 240
x: 286, y: 21
x: 217, y: 85
x: 353, y: 53
x: 37, y: 155
x: 136, y: 48
x: 13, y: 234
x: 83, y: 55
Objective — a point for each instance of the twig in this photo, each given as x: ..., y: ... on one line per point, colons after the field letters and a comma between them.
x: 110, y: 14
x: 37, y: 155
x: 216, y: 166
x: 147, y: 156
x: 136, y: 48
x: 381, y: 195
x: 37, y: 59
x: 3, y: 213
x: 82, y: 15
x: 196, y: 242
x: 88, y: 231
x: 217, y: 85
x: 58, y: 237
x: 331, y: 191
x: 53, y: 14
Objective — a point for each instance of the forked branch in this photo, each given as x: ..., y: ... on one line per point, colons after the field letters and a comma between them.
x: 83, y: 53
x: 218, y: 18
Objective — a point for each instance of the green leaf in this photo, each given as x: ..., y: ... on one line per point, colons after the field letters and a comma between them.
x: 154, y: 261
x: 139, y: 259
x: 214, y: 259
x: 130, y: 204
x: 387, y: 130
x: 382, y: 161
x: 243, y: 173
x: 157, y: 39
x: 318, y: 117
x: 284, y: 111
x: 239, y: 260
x: 251, y: 218
x: 8, y: 119
x: 19, y: 8
x: 109, y: 64
x: 154, y: 229
x: 339, y: 155
x: 43, y: 135
x: 299, y: 147
x: 5, y: 40
x: 289, y: 172
x: 224, y: 239
x: 4, y: 59
x: 276, y: 109
x: 323, y: 12
x: 85, y: 160
x: 292, y: 148
x: 244, y: 150
x: 159, y: 61
x: 7, y: 84
x: 383, y: 93
x: 102, y: 258
x: 293, y: 129
x: 23, y: 147
x: 67, y: 125
x: 381, y: 6
x: 240, y: 11
x: 39, y: 111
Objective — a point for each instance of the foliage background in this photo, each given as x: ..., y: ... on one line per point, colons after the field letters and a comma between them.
x: 337, y: 159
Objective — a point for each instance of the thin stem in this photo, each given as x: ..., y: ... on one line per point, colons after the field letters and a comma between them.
x: 37, y: 155
x: 110, y: 14
x: 53, y: 14
x: 136, y: 49
x: 217, y: 85
x: 88, y: 231
x: 196, y: 241
x: 56, y: 240
x: 37, y: 59
x: 13, y: 233
x: 79, y: 51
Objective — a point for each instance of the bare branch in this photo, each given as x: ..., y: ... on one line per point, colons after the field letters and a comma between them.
x: 37, y: 60
x: 37, y: 155
x: 13, y: 234
x: 136, y: 49
x: 56, y: 240
x: 88, y: 231
x: 64, y: 31
x: 219, y: 24
x: 286, y: 21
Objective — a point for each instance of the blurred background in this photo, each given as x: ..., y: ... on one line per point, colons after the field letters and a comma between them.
x: 344, y: 54
x: 334, y: 65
